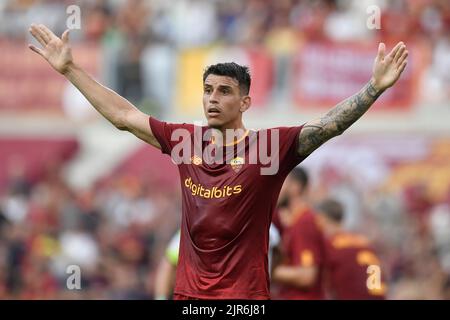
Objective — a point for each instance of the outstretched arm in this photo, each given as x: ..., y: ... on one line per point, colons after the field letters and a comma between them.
x: 386, y: 71
x: 296, y: 276
x: 121, y: 113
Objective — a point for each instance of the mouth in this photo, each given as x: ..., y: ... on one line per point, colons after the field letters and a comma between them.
x: 213, y: 112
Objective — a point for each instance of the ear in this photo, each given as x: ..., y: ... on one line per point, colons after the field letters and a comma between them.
x: 246, y: 102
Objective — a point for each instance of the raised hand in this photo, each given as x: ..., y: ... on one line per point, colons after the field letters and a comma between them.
x: 55, y: 50
x: 386, y: 71
x: 388, y: 68
x: 116, y: 109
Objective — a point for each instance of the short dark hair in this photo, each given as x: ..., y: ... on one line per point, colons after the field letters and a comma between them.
x: 300, y: 176
x: 232, y: 70
x: 283, y: 203
x: 332, y: 209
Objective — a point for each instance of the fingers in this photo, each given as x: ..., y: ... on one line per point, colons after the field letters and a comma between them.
x: 381, y: 51
x: 65, y: 36
x: 42, y: 34
x: 37, y: 50
x: 402, y: 67
x: 46, y: 32
x: 394, y: 51
x: 399, y: 53
x: 37, y: 34
x: 403, y: 57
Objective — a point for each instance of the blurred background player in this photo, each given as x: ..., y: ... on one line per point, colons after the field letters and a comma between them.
x: 353, y: 270
x: 300, y: 275
x: 165, y: 274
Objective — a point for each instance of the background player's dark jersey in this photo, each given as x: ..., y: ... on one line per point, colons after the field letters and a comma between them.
x: 303, y: 245
x: 348, y: 259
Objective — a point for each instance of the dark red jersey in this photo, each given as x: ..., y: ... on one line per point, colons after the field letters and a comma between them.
x: 303, y: 245
x: 353, y: 268
x: 226, y: 212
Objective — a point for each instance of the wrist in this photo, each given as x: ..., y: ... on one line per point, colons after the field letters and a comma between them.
x: 70, y: 68
x: 376, y: 86
x: 374, y: 89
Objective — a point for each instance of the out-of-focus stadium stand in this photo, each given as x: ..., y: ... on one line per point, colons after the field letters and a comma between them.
x: 74, y: 190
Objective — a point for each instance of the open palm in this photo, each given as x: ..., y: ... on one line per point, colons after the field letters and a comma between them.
x: 55, y: 50
x: 388, y: 68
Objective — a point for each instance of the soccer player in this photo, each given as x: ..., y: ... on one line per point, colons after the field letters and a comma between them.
x: 353, y: 269
x: 226, y: 207
x: 300, y: 275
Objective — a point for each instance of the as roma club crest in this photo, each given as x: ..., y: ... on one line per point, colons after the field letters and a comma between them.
x: 237, y: 163
x: 196, y: 160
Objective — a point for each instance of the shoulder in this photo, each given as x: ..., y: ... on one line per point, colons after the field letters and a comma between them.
x: 307, y: 221
x: 309, y: 217
x: 349, y: 240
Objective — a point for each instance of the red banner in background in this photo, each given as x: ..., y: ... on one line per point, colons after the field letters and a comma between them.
x: 261, y: 69
x: 323, y: 74
x: 27, y: 82
x: 33, y: 158
x: 326, y: 73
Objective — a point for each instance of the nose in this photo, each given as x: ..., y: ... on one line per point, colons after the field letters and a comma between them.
x: 213, y: 97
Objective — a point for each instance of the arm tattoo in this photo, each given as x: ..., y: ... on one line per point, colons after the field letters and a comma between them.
x: 337, y: 120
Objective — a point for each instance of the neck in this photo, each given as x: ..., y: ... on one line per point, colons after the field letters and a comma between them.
x: 231, y: 126
x: 239, y: 131
x: 333, y: 229
x: 298, y: 202
x: 296, y: 207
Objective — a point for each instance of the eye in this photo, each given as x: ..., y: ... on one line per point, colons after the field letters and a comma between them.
x: 225, y: 91
x: 207, y: 90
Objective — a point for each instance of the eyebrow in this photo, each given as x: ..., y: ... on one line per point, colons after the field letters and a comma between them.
x: 222, y: 86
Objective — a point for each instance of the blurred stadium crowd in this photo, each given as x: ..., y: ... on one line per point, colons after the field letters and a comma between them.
x: 114, y: 232
x: 117, y: 230
x: 142, y: 40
